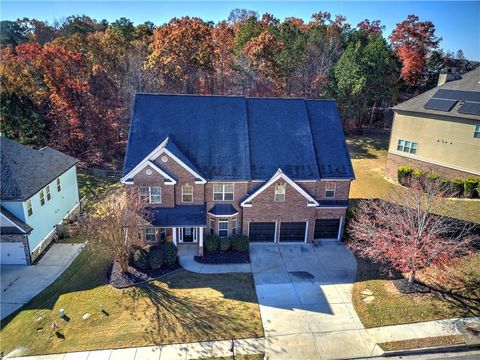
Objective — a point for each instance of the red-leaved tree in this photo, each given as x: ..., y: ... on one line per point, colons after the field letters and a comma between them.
x: 413, y: 40
x: 410, y: 236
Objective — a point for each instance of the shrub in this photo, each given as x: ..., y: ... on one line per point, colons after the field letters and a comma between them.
x: 433, y: 177
x: 240, y: 243
x: 456, y: 187
x: 418, y: 174
x: 225, y: 244
x: 470, y: 187
x: 212, y: 243
x: 169, y: 251
x: 140, y: 259
x: 155, y: 258
x: 404, y: 174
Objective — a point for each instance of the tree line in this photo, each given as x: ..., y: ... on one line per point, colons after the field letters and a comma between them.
x: 70, y: 84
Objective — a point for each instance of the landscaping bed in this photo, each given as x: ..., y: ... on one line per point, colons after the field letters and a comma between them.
x: 120, y: 280
x: 224, y: 257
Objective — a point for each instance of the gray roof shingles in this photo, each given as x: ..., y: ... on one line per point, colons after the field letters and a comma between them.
x: 469, y: 82
x: 237, y: 138
x: 4, y: 230
x: 223, y: 209
x: 25, y: 171
x: 183, y: 215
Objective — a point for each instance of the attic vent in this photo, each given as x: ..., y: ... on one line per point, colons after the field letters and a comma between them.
x: 164, y: 158
x: 148, y: 172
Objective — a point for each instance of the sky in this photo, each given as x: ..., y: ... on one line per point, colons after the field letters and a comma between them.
x: 457, y: 22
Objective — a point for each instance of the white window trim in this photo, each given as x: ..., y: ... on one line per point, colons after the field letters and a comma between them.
x: 41, y: 196
x: 223, y: 191
x: 476, y: 132
x: 210, y: 227
x: 31, y: 206
x: 48, y: 192
x: 159, y: 150
x: 150, y: 194
x: 218, y: 226
x: 334, y: 190
x: 284, y: 193
x: 234, y: 221
x: 280, y: 175
x: 183, y: 194
x: 154, y: 233
x: 58, y: 184
x: 410, y: 147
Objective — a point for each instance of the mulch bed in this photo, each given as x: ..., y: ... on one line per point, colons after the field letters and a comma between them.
x: 134, y: 276
x: 224, y: 257
x: 406, y: 287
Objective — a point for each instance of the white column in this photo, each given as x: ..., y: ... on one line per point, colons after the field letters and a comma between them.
x: 174, y: 231
x: 200, y: 232
x: 306, y: 232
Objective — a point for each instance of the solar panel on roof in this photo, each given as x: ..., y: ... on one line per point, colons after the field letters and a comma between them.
x: 440, y: 104
x: 470, y: 108
x: 472, y: 96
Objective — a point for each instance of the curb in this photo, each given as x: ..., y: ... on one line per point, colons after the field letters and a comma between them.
x: 431, y: 350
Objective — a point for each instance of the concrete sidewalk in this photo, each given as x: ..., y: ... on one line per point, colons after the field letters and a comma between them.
x: 189, y: 263
x: 340, y: 345
x: 21, y: 283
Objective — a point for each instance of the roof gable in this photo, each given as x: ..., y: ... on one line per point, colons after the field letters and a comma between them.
x: 280, y: 175
x: 25, y: 171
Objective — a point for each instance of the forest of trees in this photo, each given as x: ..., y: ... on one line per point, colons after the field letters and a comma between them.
x: 70, y: 84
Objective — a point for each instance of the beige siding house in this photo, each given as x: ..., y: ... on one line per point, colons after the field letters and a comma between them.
x: 439, y: 130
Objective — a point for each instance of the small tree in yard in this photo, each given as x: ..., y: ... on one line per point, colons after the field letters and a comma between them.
x: 407, y: 234
x: 113, y: 223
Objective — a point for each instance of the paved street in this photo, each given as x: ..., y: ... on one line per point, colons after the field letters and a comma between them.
x: 21, y: 283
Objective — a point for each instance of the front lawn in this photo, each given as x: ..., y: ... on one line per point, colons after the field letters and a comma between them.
x: 181, y: 307
x: 389, y: 307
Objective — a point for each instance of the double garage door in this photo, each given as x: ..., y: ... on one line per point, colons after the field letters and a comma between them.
x: 293, y: 231
x: 289, y: 231
x: 12, y: 253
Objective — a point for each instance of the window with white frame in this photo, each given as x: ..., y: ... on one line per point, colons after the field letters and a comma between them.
x: 187, y: 193
x: 280, y: 193
x: 150, y: 234
x: 49, y: 194
x: 212, y: 226
x: 222, y: 227
x: 59, y: 185
x: 330, y: 188
x: 223, y: 192
x: 29, y: 207
x: 476, y: 133
x: 407, y: 146
x: 42, y: 197
x: 151, y: 195
x: 234, y: 226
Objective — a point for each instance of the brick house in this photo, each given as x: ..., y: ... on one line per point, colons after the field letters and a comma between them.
x: 439, y: 130
x: 276, y: 170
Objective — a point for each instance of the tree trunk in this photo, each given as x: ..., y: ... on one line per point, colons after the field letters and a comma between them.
x: 411, y: 276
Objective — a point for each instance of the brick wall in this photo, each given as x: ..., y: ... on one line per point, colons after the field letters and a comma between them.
x: 394, y: 161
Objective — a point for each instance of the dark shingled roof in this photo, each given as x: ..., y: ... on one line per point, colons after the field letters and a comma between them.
x: 7, y: 230
x: 223, y: 209
x: 333, y: 203
x: 25, y: 171
x: 468, y: 85
x: 183, y: 215
x: 237, y: 138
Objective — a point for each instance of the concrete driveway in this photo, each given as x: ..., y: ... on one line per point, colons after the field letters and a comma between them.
x: 304, y: 292
x: 21, y: 283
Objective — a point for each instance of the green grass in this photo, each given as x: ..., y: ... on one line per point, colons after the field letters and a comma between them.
x: 181, y: 307
x: 369, y: 154
x: 93, y: 187
x: 448, y: 340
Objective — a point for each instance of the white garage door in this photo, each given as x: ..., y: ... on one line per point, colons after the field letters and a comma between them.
x: 12, y: 253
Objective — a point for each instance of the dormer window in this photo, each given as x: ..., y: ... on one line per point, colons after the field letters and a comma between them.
x: 279, y: 193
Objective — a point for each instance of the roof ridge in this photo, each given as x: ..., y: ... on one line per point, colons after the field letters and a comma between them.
x: 311, y: 138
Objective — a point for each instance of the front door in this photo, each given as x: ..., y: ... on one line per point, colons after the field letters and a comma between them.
x: 188, y: 234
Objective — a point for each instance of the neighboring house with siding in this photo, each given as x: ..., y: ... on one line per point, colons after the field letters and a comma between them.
x: 38, y: 190
x: 439, y: 130
x: 277, y: 170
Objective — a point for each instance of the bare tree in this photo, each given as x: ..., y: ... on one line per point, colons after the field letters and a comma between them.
x: 113, y: 224
x: 411, y: 232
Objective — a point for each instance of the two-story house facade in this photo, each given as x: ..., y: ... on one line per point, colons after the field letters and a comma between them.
x: 439, y: 131
x: 276, y: 170
x: 38, y: 190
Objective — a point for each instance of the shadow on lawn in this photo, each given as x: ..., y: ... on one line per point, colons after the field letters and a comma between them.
x: 181, y: 319
x: 360, y: 147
